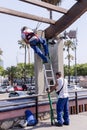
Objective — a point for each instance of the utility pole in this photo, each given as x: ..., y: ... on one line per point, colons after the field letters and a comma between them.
x: 73, y: 35
x: 25, y: 64
x: 75, y: 43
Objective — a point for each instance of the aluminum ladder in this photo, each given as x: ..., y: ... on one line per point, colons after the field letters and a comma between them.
x: 49, y: 75
x: 49, y: 81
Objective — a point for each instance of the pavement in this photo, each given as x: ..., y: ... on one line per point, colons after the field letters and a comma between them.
x: 77, y: 122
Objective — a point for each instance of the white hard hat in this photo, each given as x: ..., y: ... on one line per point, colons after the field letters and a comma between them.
x: 26, y: 29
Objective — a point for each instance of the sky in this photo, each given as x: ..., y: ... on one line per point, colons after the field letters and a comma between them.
x: 10, y: 27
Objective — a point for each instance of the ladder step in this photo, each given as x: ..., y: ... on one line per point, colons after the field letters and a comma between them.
x: 49, y: 77
x: 51, y: 85
x: 48, y: 70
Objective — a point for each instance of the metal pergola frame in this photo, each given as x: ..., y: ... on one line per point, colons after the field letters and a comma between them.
x: 56, y: 27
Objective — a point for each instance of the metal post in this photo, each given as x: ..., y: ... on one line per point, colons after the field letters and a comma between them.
x: 25, y: 65
x: 68, y: 65
x: 73, y: 35
x: 76, y: 102
x: 50, y: 14
x: 75, y: 65
x: 37, y: 108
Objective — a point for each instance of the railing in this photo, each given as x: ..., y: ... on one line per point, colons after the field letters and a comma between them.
x: 12, y: 105
x: 15, y: 107
x: 80, y: 99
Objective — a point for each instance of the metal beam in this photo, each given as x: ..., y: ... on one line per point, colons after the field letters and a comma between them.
x: 25, y: 15
x: 66, y: 20
x: 46, y: 5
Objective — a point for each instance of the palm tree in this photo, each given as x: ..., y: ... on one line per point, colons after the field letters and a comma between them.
x: 25, y: 46
x: 68, y: 44
x: 1, y: 52
x: 11, y: 73
x: 54, y: 2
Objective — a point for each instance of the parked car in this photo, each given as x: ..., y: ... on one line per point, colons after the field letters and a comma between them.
x: 3, y: 89
x: 18, y: 88
x: 9, y: 88
x: 74, y: 87
x: 31, y: 90
x: 24, y: 87
x: 73, y: 79
x: 17, y: 94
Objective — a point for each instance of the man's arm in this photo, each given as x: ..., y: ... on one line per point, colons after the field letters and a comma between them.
x: 52, y: 88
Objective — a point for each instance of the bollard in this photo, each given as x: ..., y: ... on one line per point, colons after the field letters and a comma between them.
x: 37, y: 108
x: 76, y: 102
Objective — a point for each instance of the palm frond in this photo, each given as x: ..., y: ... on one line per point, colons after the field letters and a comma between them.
x: 1, y: 51
x: 22, y: 44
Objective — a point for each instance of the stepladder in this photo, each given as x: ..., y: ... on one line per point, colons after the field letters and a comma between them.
x: 49, y: 75
x: 49, y: 82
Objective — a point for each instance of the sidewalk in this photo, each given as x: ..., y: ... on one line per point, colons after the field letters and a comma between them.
x: 77, y: 122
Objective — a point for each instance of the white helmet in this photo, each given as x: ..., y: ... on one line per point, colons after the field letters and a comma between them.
x: 26, y: 29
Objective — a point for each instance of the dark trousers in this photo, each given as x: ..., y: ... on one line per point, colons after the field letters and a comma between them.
x: 63, y: 110
x: 37, y: 49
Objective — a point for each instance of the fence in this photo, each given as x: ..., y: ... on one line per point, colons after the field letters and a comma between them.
x: 15, y: 107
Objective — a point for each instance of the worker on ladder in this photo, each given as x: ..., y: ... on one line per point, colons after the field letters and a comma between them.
x: 31, y: 38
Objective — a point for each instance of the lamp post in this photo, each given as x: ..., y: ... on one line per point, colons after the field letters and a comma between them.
x: 68, y: 49
x: 67, y: 45
x: 75, y: 48
x: 25, y: 64
x: 73, y: 35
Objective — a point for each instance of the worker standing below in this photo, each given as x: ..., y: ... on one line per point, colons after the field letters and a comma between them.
x: 35, y: 42
x: 62, y: 106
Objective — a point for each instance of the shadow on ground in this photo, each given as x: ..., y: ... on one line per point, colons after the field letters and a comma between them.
x: 38, y: 126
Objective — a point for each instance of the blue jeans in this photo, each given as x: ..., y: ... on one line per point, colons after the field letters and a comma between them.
x: 63, y: 110
x: 36, y: 48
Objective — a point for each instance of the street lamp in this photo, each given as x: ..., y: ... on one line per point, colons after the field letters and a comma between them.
x: 25, y: 63
x: 68, y: 46
x: 73, y: 35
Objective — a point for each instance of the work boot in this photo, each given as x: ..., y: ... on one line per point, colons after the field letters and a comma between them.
x: 58, y: 124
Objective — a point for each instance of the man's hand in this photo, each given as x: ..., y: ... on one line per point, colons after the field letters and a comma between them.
x: 48, y: 90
